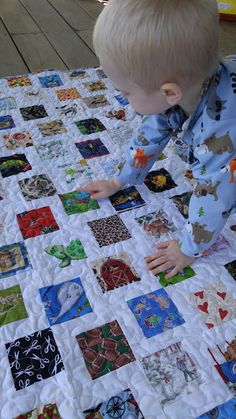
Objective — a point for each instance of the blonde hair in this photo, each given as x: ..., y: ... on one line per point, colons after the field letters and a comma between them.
x: 155, y: 41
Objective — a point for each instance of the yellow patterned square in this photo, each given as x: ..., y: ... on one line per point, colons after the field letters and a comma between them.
x: 67, y: 94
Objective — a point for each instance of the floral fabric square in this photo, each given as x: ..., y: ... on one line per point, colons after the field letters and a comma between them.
x: 33, y: 112
x: 7, y: 104
x: 13, y: 258
x: 114, y: 271
x: 183, y: 274
x: 159, y: 181
x: 6, y: 122
x: 231, y: 268
x: 215, y: 305
x: 18, y: 139
x: 52, y: 150
x: 127, y: 199
x: 109, y: 230
x: 34, y: 358
x: 90, y: 126
x: 68, y: 94
x: 48, y: 411
x: 36, y: 187
x: 122, y: 405
x: 155, y: 224
x: 182, y: 203
x: 223, y: 411
x: 51, y: 81
x: 96, y: 85
x: 65, y: 301
x: 92, y: 148
x: 96, y: 101
x: 12, y: 165
x: 172, y: 373
x: 52, y: 128
x: 20, y: 81
x: 78, y: 202
x: 155, y: 313
x: 105, y: 349
x: 12, y: 306
x: 35, y: 222
x: 66, y: 254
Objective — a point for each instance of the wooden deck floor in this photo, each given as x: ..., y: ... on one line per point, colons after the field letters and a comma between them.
x: 56, y: 34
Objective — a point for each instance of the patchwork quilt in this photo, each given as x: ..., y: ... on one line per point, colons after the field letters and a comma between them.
x: 86, y: 330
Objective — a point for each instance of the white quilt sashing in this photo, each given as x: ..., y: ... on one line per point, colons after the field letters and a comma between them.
x: 86, y: 331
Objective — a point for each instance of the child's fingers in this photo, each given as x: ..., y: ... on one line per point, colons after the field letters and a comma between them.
x: 90, y: 187
x: 163, y: 245
x: 174, y: 272
x: 98, y: 194
x: 162, y: 268
x: 150, y: 258
x: 156, y: 262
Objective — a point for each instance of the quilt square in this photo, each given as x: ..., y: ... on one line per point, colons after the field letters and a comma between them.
x: 35, y: 222
x: 215, y: 305
x: 223, y: 411
x: 231, y: 268
x: 78, y: 74
x: 100, y: 73
x: 6, y: 122
x: 122, y: 100
x: 220, y: 244
x: 74, y: 251
x: 155, y: 313
x: 20, y: 81
x: 185, y: 273
x: 36, y: 187
x: 73, y: 172
x: 48, y: 411
x: 7, y: 104
x: 114, y: 272
x: 65, y: 301
x: 12, y: 165
x: 52, y: 128
x: 127, y: 199
x: 159, y: 181
x: 109, y: 230
x: 155, y: 224
x: 122, y: 405
x: 33, y: 112
x: 52, y: 150
x: 77, y: 202
x: 121, y: 135
x: 111, y: 167
x: 96, y: 101
x: 105, y: 349
x: 13, y: 258
x: 90, y: 126
x: 18, y: 139
x: 68, y: 94
x: 12, y: 306
x: 172, y: 373
x: 51, y: 81
x: 182, y: 203
x: 92, y: 148
x: 96, y: 85
x: 116, y: 114
x: 34, y: 358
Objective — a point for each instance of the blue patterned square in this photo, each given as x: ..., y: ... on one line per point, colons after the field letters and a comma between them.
x: 223, y: 411
x: 50, y: 81
x: 6, y: 122
x: 122, y: 100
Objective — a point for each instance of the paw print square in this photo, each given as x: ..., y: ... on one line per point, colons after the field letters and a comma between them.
x: 92, y: 148
x: 109, y: 230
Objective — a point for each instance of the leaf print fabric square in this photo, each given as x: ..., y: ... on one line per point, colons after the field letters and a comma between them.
x: 231, y: 268
x: 34, y: 358
x: 18, y: 139
x: 159, y: 181
x: 78, y: 202
x: 215, y: 305
x: 52, y: 150
x: 13, y: 258
x: 105, y: 349
x: 127, y: 199
x: 90, y: 126
x: 74, y: 251
x: 92, y: 148
x: 35, y: 222
x: 12, y: 165
x: 37, y: 186
x: 52, y: 128
x: 20, y: 81
x: 155, y: 313
x: 183, y: 274
x: 33, y: 112
x: 122, y: 405
x: 65, y: 301
x: 6, y: 122
x: 155, y: 224
x: 48, y: 411
x: 172, y: 372
x: 96, y: 101
x: 96, y: 85
x: 50, y: 81
x: 182, y: 203
x: 114, y: 271
x: 223, y: 411
x: 109, y: 230
x: 12, y: 306
x: 68, y: 94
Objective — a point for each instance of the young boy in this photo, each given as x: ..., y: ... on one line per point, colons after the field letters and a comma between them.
x: 163, y: 55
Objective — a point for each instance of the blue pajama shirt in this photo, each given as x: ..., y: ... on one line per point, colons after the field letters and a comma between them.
x: 207, y: 142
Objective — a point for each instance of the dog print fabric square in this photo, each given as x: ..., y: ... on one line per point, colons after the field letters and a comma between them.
x: 182, y: 203
x: 68, y: 94
x: 33, y: 112
x: 78, y: 202
x: 215, y: 305
x: 35, y: 222
x: 90, y: 126
x: 52, y: 150
x: 223, y: 411
x: 96, y: 101
x: 65, y: 301
x: 6, y: 122
x: 127, y: 199
x: 109, y: 230
x: 122, y: 405
x: 231, y: 268
x: 12, y: 165
x: 155, y: 224
x: 66, y: 254
x: 13, y: 258
x: 172, y: 373
x: 159, y: 181
x: 49, y: 411
x: 12, y: 306
x: 52, y: 128
x: 94, y: 86
x: 18, y: 139
x: 114, y: 272
x: 20, y: 81
x: 38, y: 186
x: 183, y: 274
x: 53, y: 80
x: 105, y: 349
x: 155, y: 313
x: 34, y: 358
x: 92, y: 148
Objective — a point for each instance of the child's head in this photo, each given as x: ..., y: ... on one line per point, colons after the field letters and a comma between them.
x: 145, y: 44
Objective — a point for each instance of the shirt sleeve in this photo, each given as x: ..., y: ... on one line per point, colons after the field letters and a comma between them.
x: 214, y: 196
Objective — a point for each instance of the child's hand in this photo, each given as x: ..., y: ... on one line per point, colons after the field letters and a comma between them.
x: 169, y: 256
x: 102, y: 188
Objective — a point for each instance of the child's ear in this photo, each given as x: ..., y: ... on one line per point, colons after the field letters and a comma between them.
x: 172, y: 93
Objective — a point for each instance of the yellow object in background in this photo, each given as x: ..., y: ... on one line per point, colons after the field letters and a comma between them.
x: 227, y: 9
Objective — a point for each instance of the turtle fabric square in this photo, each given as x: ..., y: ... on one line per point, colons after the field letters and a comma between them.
x: 68, y: 94
x: 159, y: 181
x: 78, y: 202
x: 155, y: 224
x: 13, y: 258
x: 52, y: 128
x: 35, y: 222
x: 48, y: 411
x: 231, y: 268
x: 6, y: 122
x: 33, y: 112
x: 36, y: 187
x: 109, y: 230
x: 92, y: 148
x: 18, y: 139
x: 114, y: 271
x: 34, y: 358
x: 12, y: 306
x: 127, y: 199
x: 182, y: 203
x: 105, y: 349
x: 155, y: 313
x: 66, y: 254
x: 51, y: 81
x: 20, y: 81
x: 90, y: 126
x: 12, y: 165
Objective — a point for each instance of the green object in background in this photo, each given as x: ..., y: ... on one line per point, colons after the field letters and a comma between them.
x: 186, y: 273
x: 12, y: 306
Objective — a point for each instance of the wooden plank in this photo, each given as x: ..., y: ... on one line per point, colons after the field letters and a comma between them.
x: 16, y: 18
x: 92, y: 7
x: 87, y: 37
x: 227, y: 38
x: 76, y: 17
